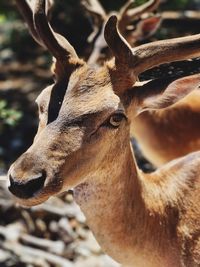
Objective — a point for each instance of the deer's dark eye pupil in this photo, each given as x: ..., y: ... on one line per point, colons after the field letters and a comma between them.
x: 116, y: 119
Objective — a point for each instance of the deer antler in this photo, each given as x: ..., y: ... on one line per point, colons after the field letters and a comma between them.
x: 126, y: 7
x: 26, y: 12
x: 42, y: 32
x: 97, y: 12
x: 127, y: 14
x: 94, y: 7
x: 57, y: 44
x: 136, y: 12
x: 147, y: 56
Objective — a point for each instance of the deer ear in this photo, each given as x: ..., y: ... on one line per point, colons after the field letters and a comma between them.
x: 159, y: 94
x: 147, y: 27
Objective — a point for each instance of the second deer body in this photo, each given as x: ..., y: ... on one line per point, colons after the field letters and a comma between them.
x: 170, y: 133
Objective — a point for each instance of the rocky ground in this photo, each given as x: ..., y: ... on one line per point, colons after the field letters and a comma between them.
x: 52, y: 234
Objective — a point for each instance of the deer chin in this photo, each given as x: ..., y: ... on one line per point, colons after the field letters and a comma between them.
x: 33, y: 201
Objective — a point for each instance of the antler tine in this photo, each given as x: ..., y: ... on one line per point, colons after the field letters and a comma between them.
x: 26, y: 12
x: 50, y: 4
x: 119, y: 46
x: 94, y: 7
x: 136, y: 12
x: 156, y: 53
x: 127, y: 15
x: 126, y: 7
x: 149, y: 55
x: 60, y: 48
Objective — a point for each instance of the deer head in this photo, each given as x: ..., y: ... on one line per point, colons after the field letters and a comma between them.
x: 84, y: 115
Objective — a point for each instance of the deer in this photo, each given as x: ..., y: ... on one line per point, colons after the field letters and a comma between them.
x: 135, y: 24
x: 166, y: 134
x: 83, y: 142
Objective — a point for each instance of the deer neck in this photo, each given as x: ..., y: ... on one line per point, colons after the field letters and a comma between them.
x: 114, y: 206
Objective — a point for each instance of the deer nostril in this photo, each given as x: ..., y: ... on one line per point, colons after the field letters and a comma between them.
x: 28, y: 189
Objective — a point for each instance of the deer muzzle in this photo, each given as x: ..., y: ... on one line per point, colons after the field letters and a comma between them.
x: 29, y: 188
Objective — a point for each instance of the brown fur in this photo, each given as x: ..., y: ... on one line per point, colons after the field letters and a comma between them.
x: 169, y: 133
x: 113, y: 192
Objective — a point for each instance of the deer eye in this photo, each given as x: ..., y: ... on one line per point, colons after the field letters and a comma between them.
x: 115, y: 120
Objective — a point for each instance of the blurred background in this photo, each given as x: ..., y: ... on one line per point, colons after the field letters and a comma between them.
x: 55, y: 233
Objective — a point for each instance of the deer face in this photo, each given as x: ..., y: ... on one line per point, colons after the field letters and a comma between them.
x: 84, y: 115
x: 78, y: 120
x: 82, y: 123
